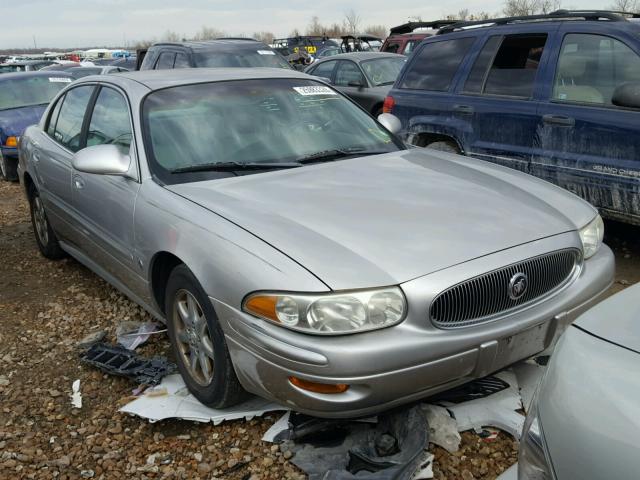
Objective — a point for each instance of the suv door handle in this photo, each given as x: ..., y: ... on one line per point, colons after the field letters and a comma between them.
x: 559, y: 120
x: 464, y: 109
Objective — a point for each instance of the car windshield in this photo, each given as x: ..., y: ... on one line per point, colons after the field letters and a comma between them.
x: 259, y: 57
x: 29, y: 91
x: 248, y: 123
x: 383, y: 71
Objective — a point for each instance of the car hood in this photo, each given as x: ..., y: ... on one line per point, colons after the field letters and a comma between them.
x: 616, y: 320
x: 14, y: 121
x: 385, y: 219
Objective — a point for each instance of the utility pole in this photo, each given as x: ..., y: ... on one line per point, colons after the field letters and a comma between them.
x: 35, y: 46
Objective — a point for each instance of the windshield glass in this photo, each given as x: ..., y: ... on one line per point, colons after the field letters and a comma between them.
x: 28, y: 91
x: 271, y: 121
x: 260, y: 57
x: 11, y: 68
x: 383, y: 71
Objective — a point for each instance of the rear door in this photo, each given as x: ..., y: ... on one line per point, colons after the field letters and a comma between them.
x: 500, y: 96
x: 587, y: 144
x: 53, y: 154
x: 105, y: 204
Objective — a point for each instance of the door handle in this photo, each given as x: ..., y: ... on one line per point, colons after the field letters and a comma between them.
x: 464, y: 109
x: 78, y: 182
x: 559, y: 120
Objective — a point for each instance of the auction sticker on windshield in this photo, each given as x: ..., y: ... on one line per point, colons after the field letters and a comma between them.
x: 315, y: 90
x: 59, y: 80
x: 266, y: 52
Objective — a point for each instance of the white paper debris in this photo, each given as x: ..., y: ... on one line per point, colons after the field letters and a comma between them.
x: 425, y: 471
x: 179, y: 403
x: 443, y: 429
x: 76, y: 396
x: 497, y: 410
x: 133, y: 334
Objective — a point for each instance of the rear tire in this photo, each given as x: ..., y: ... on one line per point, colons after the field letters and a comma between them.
x: 198, y: 342
x: 444, y: 146
x: 45, y: 236
x: 8, y: 169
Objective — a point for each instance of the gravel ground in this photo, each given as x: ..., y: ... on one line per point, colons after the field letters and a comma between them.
x: 47, y: 307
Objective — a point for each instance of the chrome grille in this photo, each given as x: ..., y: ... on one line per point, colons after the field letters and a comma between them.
x: 480, y: 298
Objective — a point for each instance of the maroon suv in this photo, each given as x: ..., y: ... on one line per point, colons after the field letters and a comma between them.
x: 402, y: 39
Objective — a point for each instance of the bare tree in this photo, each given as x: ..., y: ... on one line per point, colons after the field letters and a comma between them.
x: 515, y: 8
x: 377, y: 30
x: 315, y: 27
x: 294, y: 33
x: 170, y: 36
x: 625, y: 5
x: 463, y: 14
x: 208, y: 33
x: 352, y: 21
x: 264, y: 37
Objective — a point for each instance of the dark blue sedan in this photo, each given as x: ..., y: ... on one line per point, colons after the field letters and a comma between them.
x: 23, y: 99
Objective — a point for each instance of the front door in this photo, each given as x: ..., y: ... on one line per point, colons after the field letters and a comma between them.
x: 105, y: 204
x: 587, y: 144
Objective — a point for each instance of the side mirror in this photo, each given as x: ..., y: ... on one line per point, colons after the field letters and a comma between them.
x: 356, y: 83
x: 627, y: 95
x: 390, y: 122
x: 102, y: 160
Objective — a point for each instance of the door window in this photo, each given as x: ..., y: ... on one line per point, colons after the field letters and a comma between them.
x: 514, y: 68
x: 110, y: 122
x: 68, y: 128
x: 591, y: 67
x: 165, y: 61
x: 325, y: 69
x: 435, y: 65
x: 181, y: 61
x: 349, y: 73
x: 53, y: 118
x: 478, y: 74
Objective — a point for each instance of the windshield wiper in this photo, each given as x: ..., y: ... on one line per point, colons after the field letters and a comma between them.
x: 336, y: 153
x: 234, y: 166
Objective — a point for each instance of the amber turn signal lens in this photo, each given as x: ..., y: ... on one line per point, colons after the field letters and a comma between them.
x: 262, y: 306
x: 11, y: 142
x: 319, y: 387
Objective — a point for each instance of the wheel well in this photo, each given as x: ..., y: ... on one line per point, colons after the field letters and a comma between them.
x: 424, y: 139
x: 162, y: 266
x: 28, y: 183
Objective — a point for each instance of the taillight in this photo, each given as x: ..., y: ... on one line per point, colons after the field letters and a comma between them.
x: 388, y: 104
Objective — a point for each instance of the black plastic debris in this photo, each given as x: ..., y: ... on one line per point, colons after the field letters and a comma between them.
x: 390, y: 449
x: 480, y: 388
x: 117, y: 360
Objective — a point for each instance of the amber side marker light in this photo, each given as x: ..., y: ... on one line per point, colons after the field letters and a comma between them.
x: 319, y: 387
x: 11, y: 142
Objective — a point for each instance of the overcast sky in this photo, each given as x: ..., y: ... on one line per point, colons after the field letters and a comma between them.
x: 69, y: 23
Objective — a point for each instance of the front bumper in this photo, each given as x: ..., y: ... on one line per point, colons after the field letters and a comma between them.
x: 412, y: 360
x: 9, y: 152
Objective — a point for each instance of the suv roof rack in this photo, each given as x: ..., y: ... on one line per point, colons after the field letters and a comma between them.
x: 411, y: 26
x: 591, y: 15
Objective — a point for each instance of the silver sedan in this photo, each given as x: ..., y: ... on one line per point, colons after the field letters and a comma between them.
x: 295, y: 247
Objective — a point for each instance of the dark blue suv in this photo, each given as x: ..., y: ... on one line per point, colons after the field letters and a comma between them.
x: 554, y: 95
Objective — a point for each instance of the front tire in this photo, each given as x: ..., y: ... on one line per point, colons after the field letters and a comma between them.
x: 45, y: 236
x: 444, y: 146
x: 8, y: 169
x: 198, y: 342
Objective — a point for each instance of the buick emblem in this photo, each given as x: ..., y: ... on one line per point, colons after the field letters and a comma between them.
x: 518, y: 286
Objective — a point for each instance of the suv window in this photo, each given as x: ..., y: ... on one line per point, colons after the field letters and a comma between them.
x: 392, y: 48
x: 69, y: 125
x: 408, y: 48
x: 478, y: 74
x: 348, y: 72
x: 514, y: 68
x: 325, y: 69
x: 181, y: 61
x: 165, y: 61
x: 434, y: 65
x: 591, y: 67
x: 110, y: 122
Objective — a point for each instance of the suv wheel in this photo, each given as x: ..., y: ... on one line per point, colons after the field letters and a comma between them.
x: 198, y: 342
x: 444, y: 146
x: 45, y: 236
x: 8, y: 169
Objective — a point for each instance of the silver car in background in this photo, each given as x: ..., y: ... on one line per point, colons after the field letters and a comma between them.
x: 296, y: 249
x: 584, y: 419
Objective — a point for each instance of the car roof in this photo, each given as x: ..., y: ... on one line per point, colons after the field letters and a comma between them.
x: 212, y: 44
x: 157, y: 79
x: 48, y: 73
x: 360, y: 56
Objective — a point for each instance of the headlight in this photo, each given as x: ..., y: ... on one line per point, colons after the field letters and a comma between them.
x: 533, y: 458
x: 330, y: 314
x: 591, y: 237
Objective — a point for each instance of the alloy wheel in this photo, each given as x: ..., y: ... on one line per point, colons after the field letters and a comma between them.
x: 40, y: 221
x: 193, y: 339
